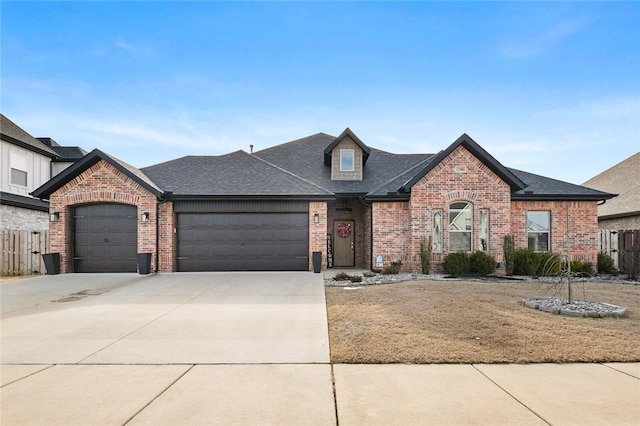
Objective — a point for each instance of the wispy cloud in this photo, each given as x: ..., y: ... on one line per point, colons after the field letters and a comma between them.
x: 130, y: 48
x: 525, y: 46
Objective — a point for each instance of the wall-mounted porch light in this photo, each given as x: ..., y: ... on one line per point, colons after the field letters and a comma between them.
x: 316, y: 218
x: 144, y: 217
x: 53, y: 217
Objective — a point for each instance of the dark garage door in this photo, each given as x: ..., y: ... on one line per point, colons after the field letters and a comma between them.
x: 105, y: 238
x: 243, y: 241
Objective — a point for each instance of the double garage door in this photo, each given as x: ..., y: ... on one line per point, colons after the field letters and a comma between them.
x: 249, y: 236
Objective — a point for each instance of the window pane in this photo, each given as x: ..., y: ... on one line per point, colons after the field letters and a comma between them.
x: 539, y: 241
x: 537, y: 221
x: 538, y: 226
x: 460, y: 217
x: 460, y: 226
x: 437, y: 231
x: 346, y: 159
x: 459, y: 241
x: 483, y: 232
x: 18, y: 177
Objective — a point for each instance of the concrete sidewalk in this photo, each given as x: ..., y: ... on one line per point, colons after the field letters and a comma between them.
x: 302, y: 394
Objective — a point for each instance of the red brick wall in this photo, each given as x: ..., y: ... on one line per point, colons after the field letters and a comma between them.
x: 101, y: 183
x: 391, y: 232
x: 318, y: 232
x: 167, y: 239
x: 582, y: 229
x: 459, y: 177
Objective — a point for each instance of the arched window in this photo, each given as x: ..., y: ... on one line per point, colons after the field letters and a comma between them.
x: 460, y: 226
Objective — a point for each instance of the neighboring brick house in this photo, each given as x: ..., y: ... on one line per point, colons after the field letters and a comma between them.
x: 623, y: 211
x: 270, y: 210
x: 25, y: 164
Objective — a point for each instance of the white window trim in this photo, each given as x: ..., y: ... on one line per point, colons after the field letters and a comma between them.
x: 353, y: 160
x: 461, y: 231
x: 26, y: 178
x: 548, y: 231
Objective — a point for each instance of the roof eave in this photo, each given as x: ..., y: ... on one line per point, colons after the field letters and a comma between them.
x: 25, y: 145
x: 231, y: 197
x: 560, y: 197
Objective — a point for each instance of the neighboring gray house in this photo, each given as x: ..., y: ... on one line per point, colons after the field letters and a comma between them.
x: 623, y: 211
x: 25, y: 164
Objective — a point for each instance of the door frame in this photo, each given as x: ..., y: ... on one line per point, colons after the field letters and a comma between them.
x: 335, y: 238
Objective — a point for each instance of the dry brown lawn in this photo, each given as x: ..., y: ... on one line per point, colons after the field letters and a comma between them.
x: 477, y: 322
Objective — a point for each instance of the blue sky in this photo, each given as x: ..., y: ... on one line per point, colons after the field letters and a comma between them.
x: 550, y: 88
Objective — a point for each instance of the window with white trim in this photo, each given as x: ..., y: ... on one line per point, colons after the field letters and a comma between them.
x: 483, y: 230
x: 538, y: 227
x: 18, y: 177
x: 347, y: 160
x: 18, y: 167
x: 460, y: 226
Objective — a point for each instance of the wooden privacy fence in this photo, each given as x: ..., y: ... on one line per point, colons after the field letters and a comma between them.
x: 629, y: 252
x: 22, y: 252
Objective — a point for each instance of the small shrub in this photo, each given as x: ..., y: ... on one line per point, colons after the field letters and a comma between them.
x: 482, y: 263
x: 342, y: 276
x: 525, y: 262
x: 392, y: 269
x: 425, y: 256
x: 606, y: 264
x: 456, y: 263
x: 369, y: 274
x: 550, y: 264
x: 508, y: 249
x: 582, y: 269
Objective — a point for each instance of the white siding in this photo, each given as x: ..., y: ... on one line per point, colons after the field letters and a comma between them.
x: 38, y: 168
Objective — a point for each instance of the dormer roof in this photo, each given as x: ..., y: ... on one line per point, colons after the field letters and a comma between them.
x: 346, y: 133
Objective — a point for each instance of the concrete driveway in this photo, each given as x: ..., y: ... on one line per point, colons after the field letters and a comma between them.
x: 205, y: 318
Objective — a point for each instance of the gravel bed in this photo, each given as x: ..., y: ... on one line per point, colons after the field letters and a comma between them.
x: 383, y: 279
x: 578, y: 308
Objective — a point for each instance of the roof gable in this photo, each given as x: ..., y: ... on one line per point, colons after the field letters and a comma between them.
x: 95, y: 156
x: 12, y: 133
x: 346, y: 133
x: 470, y: 145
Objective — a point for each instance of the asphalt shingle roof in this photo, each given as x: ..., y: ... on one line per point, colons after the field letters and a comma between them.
x: 10, y: 131
x: 541, y: 186
x: 623, y: 179
x: 305, y: 157
x: 237, y: 173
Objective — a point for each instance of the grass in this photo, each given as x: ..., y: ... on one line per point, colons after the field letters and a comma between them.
x: 477, y: 322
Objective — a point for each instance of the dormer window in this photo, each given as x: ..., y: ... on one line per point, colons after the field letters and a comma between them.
x: 347, y: 160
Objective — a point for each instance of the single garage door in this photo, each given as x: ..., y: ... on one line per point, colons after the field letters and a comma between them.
x: 105, y: 238
x: 243, y: 241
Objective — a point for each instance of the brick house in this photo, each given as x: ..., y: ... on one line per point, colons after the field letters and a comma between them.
x: 270, y: 210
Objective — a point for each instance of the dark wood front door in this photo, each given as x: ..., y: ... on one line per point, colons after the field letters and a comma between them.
x: 343, y: 243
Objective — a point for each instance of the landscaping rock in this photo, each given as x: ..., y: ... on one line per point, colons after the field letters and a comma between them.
x: 577, y: 308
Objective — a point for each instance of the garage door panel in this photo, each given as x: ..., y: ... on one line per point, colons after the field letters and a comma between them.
x: 105, y: 238
x: 242, y: 241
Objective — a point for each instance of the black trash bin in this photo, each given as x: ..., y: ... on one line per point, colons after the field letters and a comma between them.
x: 144, y: 263
x: 52, y: 263
x: 317, y: 261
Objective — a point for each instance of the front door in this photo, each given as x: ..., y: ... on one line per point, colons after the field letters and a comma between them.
x: 343, y: 243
